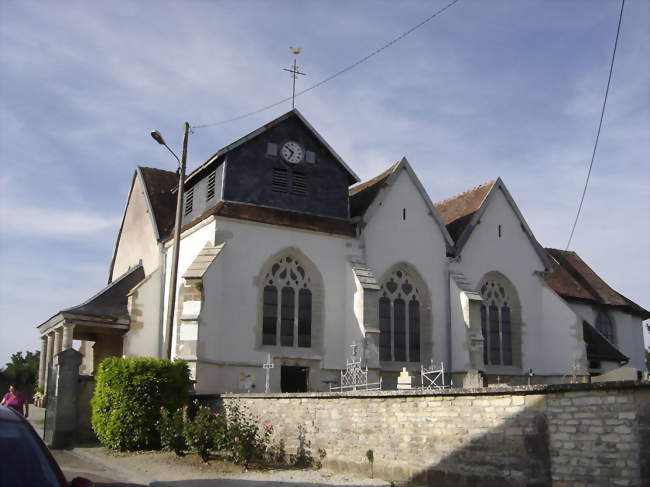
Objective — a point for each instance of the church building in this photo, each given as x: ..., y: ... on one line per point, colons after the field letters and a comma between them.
x: 285, y: 254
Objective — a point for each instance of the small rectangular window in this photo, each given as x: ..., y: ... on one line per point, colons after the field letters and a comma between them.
x: 189, y: 200
x: 280, y: 181
x: 211, y: 185
x: 271, y: 149
x: 299, y: 184
x: 310, y: 157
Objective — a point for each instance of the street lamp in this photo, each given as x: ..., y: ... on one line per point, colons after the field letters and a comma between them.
x: 177, y: 233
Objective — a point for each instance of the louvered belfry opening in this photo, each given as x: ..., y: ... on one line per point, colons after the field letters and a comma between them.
x: 291, y: 182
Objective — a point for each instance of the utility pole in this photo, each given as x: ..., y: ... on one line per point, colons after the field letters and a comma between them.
x: 182, y: 162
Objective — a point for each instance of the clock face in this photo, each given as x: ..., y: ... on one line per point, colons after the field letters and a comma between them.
x: 292, y: 152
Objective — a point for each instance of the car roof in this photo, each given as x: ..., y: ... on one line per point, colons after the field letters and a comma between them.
x: 8, y: 414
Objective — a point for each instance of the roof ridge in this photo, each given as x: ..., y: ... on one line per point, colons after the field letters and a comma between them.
x: 156, y: 169
x: 466, y: 192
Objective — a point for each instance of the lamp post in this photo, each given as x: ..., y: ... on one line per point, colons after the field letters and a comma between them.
x: 177, y: 234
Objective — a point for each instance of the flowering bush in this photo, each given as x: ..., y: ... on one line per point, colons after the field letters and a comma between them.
x: 245, y: 439
x: 171, y: 426
x: 200, y: 433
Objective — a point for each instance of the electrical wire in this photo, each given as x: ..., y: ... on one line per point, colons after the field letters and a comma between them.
x: 335, y: 75
x: 600, y: 124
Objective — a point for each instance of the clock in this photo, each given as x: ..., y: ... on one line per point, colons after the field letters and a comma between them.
x: 292, y: 152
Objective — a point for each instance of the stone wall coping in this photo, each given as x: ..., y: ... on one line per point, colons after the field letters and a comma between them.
x: 480, y: 391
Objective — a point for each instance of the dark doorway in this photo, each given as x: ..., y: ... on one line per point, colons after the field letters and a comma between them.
x: 294, y: 379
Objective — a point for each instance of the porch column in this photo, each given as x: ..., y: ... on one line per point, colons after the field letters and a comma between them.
x: 42, y: 364
x: 58, y: 341
x: 68, y: 330
x: 49, y: 358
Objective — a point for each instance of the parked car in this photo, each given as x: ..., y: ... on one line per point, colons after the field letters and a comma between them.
x: 25, y: 460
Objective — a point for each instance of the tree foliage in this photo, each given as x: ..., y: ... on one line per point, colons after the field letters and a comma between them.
x: 21, y: 369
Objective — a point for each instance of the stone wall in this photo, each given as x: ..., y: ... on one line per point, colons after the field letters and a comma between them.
x: 561, y: 435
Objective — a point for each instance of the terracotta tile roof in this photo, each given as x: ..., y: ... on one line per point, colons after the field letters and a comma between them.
x: 159, y: 184
x: 276, y: 216
x: 362, y: 195
x: 458, y: 210
x: 572, y: 278
x: 598, y: 347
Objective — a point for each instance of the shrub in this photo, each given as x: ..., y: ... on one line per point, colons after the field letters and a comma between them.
x: 171, y: 426
x: 128, y: 397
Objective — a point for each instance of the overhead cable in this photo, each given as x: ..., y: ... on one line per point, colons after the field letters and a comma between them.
x: 335, y: 75
x: 600, y: 124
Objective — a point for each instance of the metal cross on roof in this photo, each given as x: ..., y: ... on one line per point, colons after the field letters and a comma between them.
x: 294, y: 71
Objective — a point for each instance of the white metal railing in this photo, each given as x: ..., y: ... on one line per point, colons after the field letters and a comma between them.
x: 433, y: 377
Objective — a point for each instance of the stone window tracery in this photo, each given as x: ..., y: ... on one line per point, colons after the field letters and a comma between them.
x: 287, y: 305
x: 496, y: 323
x: 399, y: 319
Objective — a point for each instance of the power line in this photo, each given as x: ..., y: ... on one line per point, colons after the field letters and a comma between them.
x: 600, y: 124
x: 335, y: 75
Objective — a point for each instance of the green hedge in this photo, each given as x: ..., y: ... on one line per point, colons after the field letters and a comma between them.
x: 129, y: 394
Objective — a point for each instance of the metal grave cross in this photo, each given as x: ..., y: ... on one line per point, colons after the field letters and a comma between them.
x: 268, y: 366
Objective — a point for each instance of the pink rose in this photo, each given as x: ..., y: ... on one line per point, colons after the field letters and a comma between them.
x: 236, y: 438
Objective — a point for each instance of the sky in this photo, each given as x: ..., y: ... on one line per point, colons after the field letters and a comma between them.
x: 509, y: 88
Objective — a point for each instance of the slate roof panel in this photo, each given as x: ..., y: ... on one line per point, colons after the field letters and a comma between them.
x: 111, y: 302
x: 598, y: 347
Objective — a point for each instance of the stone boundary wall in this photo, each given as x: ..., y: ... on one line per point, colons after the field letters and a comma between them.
x: 561, y: 435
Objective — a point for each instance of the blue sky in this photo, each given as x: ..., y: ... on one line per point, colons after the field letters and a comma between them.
x: 502, y: 88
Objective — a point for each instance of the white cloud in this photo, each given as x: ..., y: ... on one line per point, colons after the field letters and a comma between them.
x: 29, y: 221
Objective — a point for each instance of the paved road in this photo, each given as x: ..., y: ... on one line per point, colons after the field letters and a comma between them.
x: 75, y: 466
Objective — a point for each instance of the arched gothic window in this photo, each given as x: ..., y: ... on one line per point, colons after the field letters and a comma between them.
x: 496, y: 323
x: 399, y: 319
x: 287, y: 305
x: 605, y: 326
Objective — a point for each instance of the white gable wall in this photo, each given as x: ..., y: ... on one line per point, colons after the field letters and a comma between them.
x: 137, y: 240
x: 551, y: 336
x: 230, y: 315
x: 417, y: 240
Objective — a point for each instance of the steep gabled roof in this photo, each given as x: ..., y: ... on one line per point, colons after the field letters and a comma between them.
x: 352, y: 177
x: 464, y: 212
x: 458, y: 210
x: 362, y: 196
x: 157, y: 187
x: 162, y: 202
x: 573, y: 279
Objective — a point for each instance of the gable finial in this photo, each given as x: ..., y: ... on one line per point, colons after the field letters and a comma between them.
x: 294, y: 73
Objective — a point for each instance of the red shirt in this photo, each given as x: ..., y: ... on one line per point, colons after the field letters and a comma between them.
x: 16, y: 402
